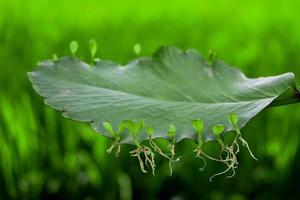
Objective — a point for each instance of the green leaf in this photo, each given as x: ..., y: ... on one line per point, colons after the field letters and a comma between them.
x: 171, y: 133
x: 150, y: 131
x: 74, y: 47
x: 134, y: 127
x: 218, y: 129
x: 93, y: 48
x: 172, y: 87
x: 137, y: 48
x: 233, y: 119
x: 109, y: 128
x: 198, y: 125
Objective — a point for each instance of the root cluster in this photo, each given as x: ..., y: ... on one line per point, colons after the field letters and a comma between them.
x: 149, y: 155
x: 148, y: 158
x: 170, y: 156
x: 228, y: 156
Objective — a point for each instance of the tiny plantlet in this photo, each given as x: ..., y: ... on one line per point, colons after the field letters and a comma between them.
x: 164, y: 96
x: 211, y: 56
x: 54, y: 57
x: 171, y: 147
x: 137, y: 48
x: 233, y: 119
x: 134, y: 130
x: 116, y: 136
x: 74, y: 47
x: 93, y: 48
x: 198, y: 125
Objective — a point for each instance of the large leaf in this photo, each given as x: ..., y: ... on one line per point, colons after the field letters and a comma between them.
x: 172, y: 87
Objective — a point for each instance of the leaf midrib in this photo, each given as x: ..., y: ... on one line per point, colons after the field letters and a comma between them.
x: 159, y: 100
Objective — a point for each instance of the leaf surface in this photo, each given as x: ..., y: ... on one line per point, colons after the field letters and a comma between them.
x: 172, y: 87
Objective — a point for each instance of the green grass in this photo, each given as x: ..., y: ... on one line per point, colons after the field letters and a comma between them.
x: 43, y: 155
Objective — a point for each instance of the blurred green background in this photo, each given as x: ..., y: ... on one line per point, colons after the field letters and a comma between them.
x: 45, y: 156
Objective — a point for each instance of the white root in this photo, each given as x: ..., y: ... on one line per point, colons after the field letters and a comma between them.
x: 149, y: 158
x: 227, y: 156
x: 170, y: 156
x: 114, y: 145
x: 172, y: 159
x: 245, y: 143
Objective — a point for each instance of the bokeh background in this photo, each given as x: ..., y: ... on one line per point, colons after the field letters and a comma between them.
x: 45, y: 156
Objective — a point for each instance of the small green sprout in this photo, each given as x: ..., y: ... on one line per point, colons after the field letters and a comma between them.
x: 198, y: 126
x: 74, y: 47
x: 111, y: 131
x: 55, y: 57
x: 93, y: 48
x: 211, y: 55
x: 137, y: 48
x: 121, y: 127
x: 171, y: 133
x: 134, y: 129
x: 150, y: 131
x: 218, y: 129
x: 116, y: 136
x: 171, y: 147
x: 233, y: 120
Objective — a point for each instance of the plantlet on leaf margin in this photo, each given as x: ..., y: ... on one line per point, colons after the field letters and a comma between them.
x: 74, y: 47
x: 218, y: 130
x: 233, y: 120
x: 230, y: 160
x: 156, y: 148
x: 137, y: 48
x: 93, y: 50
x: 171, y: 147
x: 116, y: 136
x: 198, y: 125
x: 211, y: 56
x: 54, y: 57
x: 135, y: 129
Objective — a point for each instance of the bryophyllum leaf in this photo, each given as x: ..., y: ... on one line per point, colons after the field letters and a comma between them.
x: 172, y: 87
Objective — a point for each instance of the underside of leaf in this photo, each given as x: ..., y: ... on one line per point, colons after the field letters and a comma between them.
x: 173, y: 87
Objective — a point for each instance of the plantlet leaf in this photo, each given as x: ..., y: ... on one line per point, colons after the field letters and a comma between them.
x: 137, y: 48
x: 93, y: 48
x: 134, y: 127
x: 172, y: 87
x: 54, y: 57
x: 218, y: 129
x: 130, y: 125
x: 233, y: 119
x: 74, y: 47
x: 109, y: 128
x: 171, y: 132
x: 121, y: 127
x: 198, y: 125
x: 150, y: 131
